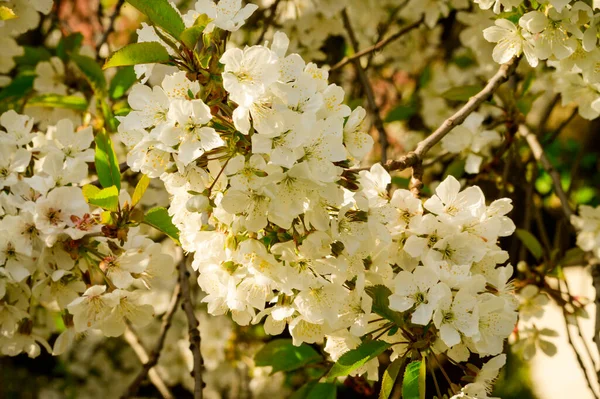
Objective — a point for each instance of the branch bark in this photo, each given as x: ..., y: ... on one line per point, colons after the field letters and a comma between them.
x: 378, y: 46
x: 194, y: 333
x: 134, y: 341
x: 373, y: 107
x: 540, y: 156
x: 153, y: 358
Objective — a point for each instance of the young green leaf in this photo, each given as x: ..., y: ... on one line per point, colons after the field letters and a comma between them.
x: 89, y: 191
x: 381, y: 303
x: 162, y: 14
x: 462, y: 93
x: 105, y: 159
x: 412, y: 381
x: 282, y: 355
x: 58, y: 101
x: 530, y: 242
x: 69, y: 44
x: 356, y: 358
x: 138, y: 53
x: 140, y: 189
x: 121, y: 82
x: 389, y: 377
x: 92, y: 72
x: 107, y: 198
x: 191, y: 35
x: 160, y: 219
x: 322, y: 390
x: 400, y: 113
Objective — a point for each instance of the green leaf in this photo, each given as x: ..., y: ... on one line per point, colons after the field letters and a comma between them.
x: 92, y: 72
x: 456, y: 168
x: 89, y: 191
x: 160, y: 219
x: 413, y: 384
x: 105, y: 159
x: 573, y: 256
x: 162, y: 14
x: 525, y: 103
x: 356, y: 358
x: 140, y: 189
x: 20, y: 86
x: 322, y: 390
x: 58, y: 101
x: 282, y: 355
x: 304, y: 390
x: 381, y: 304
x: 425, y: 76
x: 400, y: 113
x: 462, y: 93
x: 121, y: 82
x: 389, y: 377
x: 6, y: 13
x: 191, y: 35
x: 532, y: 243
x: 69, y: 44
x: 107, y: 198
x: 422, y: 378
x: 32, y: 56
x: 138, y: 53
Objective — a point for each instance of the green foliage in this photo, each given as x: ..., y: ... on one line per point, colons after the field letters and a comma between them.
x: 530, y: 242
x: 140, y: 189
x: 58, y: 101
x: 389, y: 377
x: 162, y: 14
x: 159, y: 218
x: 107, y: 198
x: 381, y: 303
x: 105, y: 159
x: 462, y: 93
x: 138, y: 53
x: 121, y: 82
x: 282, y: 355
x: 413, y: 384
x: 357, y: 358
x: 322, y: 390
x: 69, y: 45
x: 401, y: 113
x: 92, y: 72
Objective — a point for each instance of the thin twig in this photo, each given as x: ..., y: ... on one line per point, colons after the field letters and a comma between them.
x: 111, y: 24
x: 385, y: 28
x: 540, y: 156
x: 373, y: 107
x: 413, y: 157
x: 154, y: 356
x: 377, y: 46
x: 194, y: 333
x: 560, y: 128
x: 577, y: 355
x: 268, y: 21
x: 134, y: 341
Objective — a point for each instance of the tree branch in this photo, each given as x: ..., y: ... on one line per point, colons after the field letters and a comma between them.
x: 153, y: 359
x: 111, y: 25
x: 416, y: 156
x: 378, y: 46
x: 373, y: 107
x: 540, y: 156
x: 134, y: 341
x: 194, y: 333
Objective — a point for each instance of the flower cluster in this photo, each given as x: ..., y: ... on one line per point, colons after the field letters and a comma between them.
x: 565, y: 33
x: 53, y: 259
x: 587, y: 224
x: 284, y: 228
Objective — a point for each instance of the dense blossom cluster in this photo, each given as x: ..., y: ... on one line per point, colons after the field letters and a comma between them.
x: 283, y: 229
x: 53, y: 260
x: 260, y: 157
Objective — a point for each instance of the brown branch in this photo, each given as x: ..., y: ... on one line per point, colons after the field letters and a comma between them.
x: 378, y: 46
x: 416, y: 156
x: 373, y: 107
x: 385, y: 28
x: 194, y: 333
x: 540, y: 156
x: 154, y: 356
x: 111, y: 25
x: 142, y: 353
